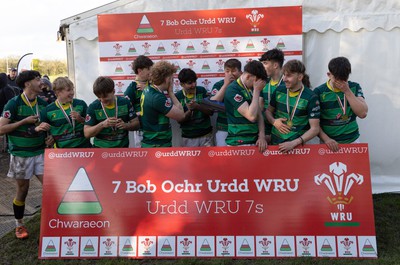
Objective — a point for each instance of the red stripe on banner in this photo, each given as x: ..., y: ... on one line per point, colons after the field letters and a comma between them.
x: 211, y: 75
x: 200, y: 24
x: 196, y: 56
x: 310, y: 195
x: 80, y: 196
x: 199, y: 75
x: 122, y: 77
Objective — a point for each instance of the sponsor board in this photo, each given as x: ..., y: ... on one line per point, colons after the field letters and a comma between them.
x: 242, y: 204
x: 202, y: 40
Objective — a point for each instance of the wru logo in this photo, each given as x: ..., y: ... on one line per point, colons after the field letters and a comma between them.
x: 339, y: 184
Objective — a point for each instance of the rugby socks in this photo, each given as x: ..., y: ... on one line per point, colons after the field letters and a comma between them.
x: 19, y: 209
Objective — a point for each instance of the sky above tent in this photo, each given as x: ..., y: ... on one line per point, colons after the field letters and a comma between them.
x: 31, y: 26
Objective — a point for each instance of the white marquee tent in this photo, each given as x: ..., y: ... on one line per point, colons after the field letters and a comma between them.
x: 367, y: 32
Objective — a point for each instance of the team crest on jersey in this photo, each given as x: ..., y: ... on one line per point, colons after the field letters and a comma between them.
x: 238, y: 98
x: 214, y: 92
x: 168, y: 103
x: 7, y: 114
x: 88, y: 118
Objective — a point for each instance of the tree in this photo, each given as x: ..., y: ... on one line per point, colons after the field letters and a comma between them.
x: 45, y: 67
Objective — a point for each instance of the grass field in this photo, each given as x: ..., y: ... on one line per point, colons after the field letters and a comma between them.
x: 387, y: 216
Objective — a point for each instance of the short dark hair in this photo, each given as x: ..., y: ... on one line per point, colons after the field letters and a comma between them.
x: 26, y: 76
x: 275, y: 55
x: 340, y: 67
x: 141, y: 62
x: 103, y: 85
x: 187, y: 75
x: 233, y: 63
x: 257, y: 69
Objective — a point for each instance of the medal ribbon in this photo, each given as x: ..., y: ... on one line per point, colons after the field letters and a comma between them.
x: 70, y: 120
x: 269, y: 87
x: 343, y: 105
x: 30, y: 105
x: 239, y: 80
x: 158, y: 89
x: 291, y: 115
x: 116, y: 112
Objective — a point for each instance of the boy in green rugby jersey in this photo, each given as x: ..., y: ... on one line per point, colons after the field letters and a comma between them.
x: 196, y: 127
x: 66, y: 116
x: 342, y: 101
x: 157, y: 108
x: 109, y: 118
x: 232, y: 71
x: 141, y: 67
x: 273, y: 63
x: 27, y: 139
x: 293, y: 110
x: 245, y: 121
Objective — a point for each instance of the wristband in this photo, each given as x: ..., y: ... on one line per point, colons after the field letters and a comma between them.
x: 302, y: 140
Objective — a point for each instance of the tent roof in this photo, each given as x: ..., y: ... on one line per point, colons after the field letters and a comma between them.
x: 353, y: 15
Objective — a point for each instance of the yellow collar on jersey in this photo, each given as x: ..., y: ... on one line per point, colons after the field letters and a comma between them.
x: 30, y: 103
x: 111, y: 106
x: 328, y: 84
x: 274, y: 83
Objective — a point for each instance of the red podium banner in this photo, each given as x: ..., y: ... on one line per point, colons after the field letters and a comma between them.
x: 207, y: 202
x: 202, y: 40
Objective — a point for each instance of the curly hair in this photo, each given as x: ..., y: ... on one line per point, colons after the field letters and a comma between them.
x: 160, y: 71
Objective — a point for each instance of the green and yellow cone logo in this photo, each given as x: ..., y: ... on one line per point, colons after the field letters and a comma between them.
x: 80, y: 197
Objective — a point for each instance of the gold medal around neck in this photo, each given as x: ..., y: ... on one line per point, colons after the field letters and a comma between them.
x: 289, y: 123
x: 37, y: 123
x: 345, y: 117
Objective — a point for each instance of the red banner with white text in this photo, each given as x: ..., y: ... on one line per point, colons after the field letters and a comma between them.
x: 202, y: 40
x: 207, y: 202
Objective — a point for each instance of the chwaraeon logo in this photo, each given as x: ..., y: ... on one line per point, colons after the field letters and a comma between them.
x: 339, y: 183
x: 80, y: 198
x: 144, y: 26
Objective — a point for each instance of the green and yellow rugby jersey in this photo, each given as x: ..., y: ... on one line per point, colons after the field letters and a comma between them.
x: 200, y: 123
x: 155, y: 125
x: 266, y: 93
x: 342, y: 127
x: 110, y: 137
x: 307, y: 108
x: 66, y: 133
x: 24, y: 141
x: 134, y: 94
x: 222, y: 122
x: 240, y: 130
